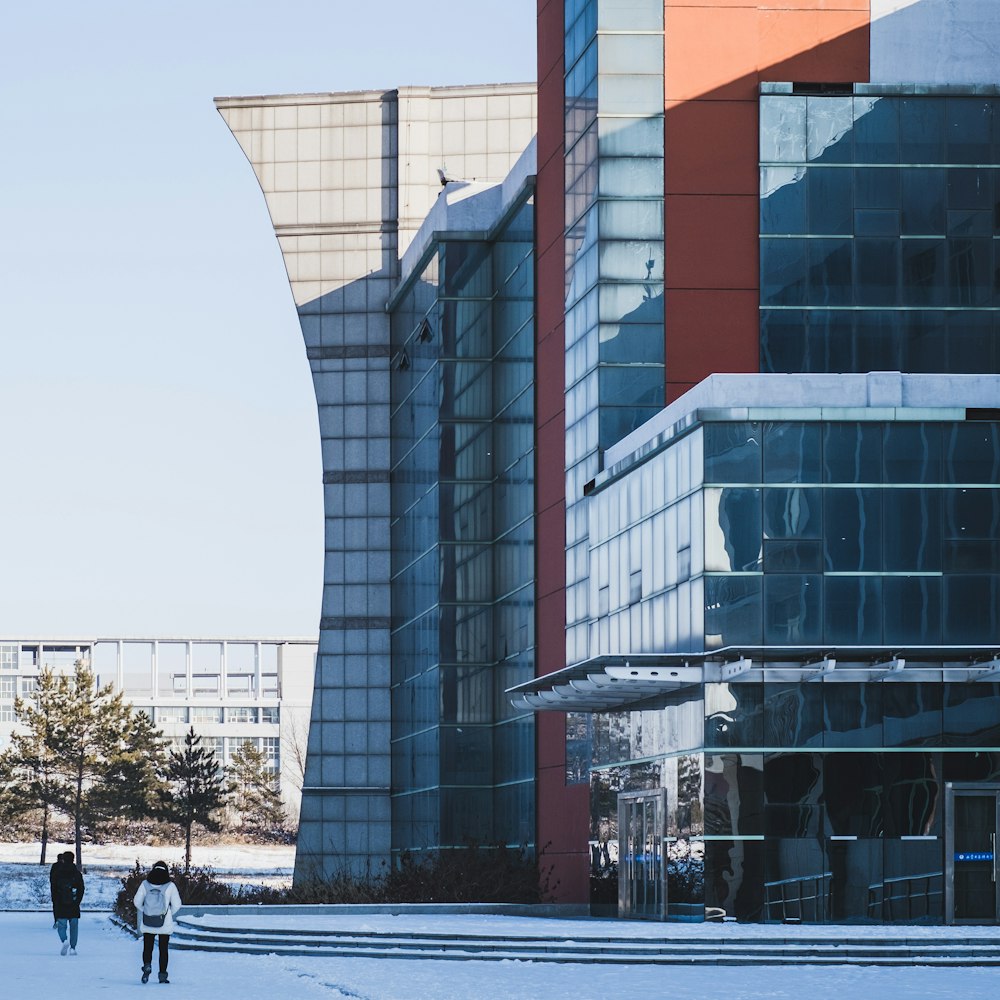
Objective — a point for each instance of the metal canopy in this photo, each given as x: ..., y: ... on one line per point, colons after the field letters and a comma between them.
x: 613, y: 683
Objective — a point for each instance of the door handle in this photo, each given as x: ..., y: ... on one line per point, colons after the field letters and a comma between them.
x: 993, y: 844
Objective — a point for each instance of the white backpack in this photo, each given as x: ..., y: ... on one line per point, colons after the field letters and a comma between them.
x: 154, y: 906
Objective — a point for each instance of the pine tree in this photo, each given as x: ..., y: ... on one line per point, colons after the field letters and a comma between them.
x: 252, y: 789
x: 90, y: 724
x: 134, y: 782
x: 195, y: 789
x: 36, y: 780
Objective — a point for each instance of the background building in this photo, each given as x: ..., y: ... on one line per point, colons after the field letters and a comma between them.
x: 230, y: 690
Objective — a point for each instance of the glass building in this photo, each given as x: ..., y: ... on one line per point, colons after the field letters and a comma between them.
x: 463, y: 538
x: 788, y: 708
x: 797, y: 618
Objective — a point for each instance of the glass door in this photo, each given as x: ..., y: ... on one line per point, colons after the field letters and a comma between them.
x: 971, y: 890
x: 642, y: 889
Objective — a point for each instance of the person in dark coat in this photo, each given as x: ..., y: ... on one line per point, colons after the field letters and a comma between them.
x: 66, y: 886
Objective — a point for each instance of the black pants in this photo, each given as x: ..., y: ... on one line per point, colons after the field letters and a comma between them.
x: 147, y: 949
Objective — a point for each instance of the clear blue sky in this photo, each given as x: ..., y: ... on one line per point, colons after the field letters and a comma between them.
x: 159, y: 452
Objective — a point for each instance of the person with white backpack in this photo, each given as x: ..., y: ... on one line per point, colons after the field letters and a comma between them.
x: 156, y: 902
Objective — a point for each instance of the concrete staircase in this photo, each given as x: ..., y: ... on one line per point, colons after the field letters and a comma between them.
x: 857, y: 947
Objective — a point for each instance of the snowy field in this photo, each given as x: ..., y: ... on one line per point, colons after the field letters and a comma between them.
x: 24, y: 884
x: 108, y: 964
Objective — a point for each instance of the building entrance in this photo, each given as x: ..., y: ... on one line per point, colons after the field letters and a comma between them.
x: 973, y: 820
x: 642, y: 883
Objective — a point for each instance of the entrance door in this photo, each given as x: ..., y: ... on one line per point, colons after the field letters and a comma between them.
x: 973, y: 820
x: 642, y: 887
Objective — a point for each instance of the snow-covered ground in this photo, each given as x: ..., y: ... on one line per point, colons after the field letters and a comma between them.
x: 24, y: 884
x: 109, y: 960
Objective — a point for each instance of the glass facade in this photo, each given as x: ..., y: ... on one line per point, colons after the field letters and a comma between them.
x: 614, y: 106
x: 822, y: 799
x: 462, y: 485
x: 879, y: 222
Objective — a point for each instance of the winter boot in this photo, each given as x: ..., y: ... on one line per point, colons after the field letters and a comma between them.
x: 146, y: 970
x: 163, y: 978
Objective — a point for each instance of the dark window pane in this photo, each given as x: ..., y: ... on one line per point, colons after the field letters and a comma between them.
x: 854, y: 866
x: 972, y: 714
x: 924, y: 341
x: 793, y: 795
x: 783, y: 341
x: 912, y: 453
x: 793, y: 715
x: 783, y: 200
x: 971, y: 609
x: 912, y: 531
x: 921, y: 130
x: 878, y: 340
x: 968, y: 129
x: 875, y: 188
x: 852, y: 789
x: 970, y: 188
x: 793, y: 610
x: 853, y: 610
x: 876, y: 129
x: 733, y: 613
x: 923, y: 201
x: 912, y: 611
x: 853, y: 714
x: 829, y: 272
x: 913, y: 887
x: 732, y: 453
x: 792, y: 453
x: 912, y: 793
x: 853, y: 530
x: 876, y: 222
x: 970, y: 344
x: 782, y: 272
x: 734, y: 879
x: 876, y: 267
x: 831, y: 341
x: 925, y: 279
x: 976, y: 766
x: 739, y: 524
x: 793, y: 556
x: 972, y: 453
x: 734, y: 794
x: 793, y: 513
x: 852, y: 453
x: 796, y: 880
x: 733, y: 715
x: 912, y: 714
x: 831, y: 203
x: 970, y: 263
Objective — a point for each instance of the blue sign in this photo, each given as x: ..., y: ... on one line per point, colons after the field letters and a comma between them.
x: 975, y: 856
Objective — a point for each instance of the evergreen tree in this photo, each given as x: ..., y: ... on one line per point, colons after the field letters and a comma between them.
x: 195, y: 789
x: 36, y: 781
x: 134, y: 782
x: 252, y: 789
x: 90, y: 724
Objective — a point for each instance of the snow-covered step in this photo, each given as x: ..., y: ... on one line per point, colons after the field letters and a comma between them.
x: 887, y: 951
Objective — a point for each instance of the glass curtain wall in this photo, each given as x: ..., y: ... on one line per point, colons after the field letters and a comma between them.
x: 463, y: 544
x: 879, y: 221
x: 614, y: 253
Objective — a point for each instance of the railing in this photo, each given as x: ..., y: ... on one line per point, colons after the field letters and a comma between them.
x: 803, y: 898
x: 906, y: 897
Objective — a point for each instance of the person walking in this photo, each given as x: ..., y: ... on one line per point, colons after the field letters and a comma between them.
x: 66, y: 887
x: 156, y: 902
